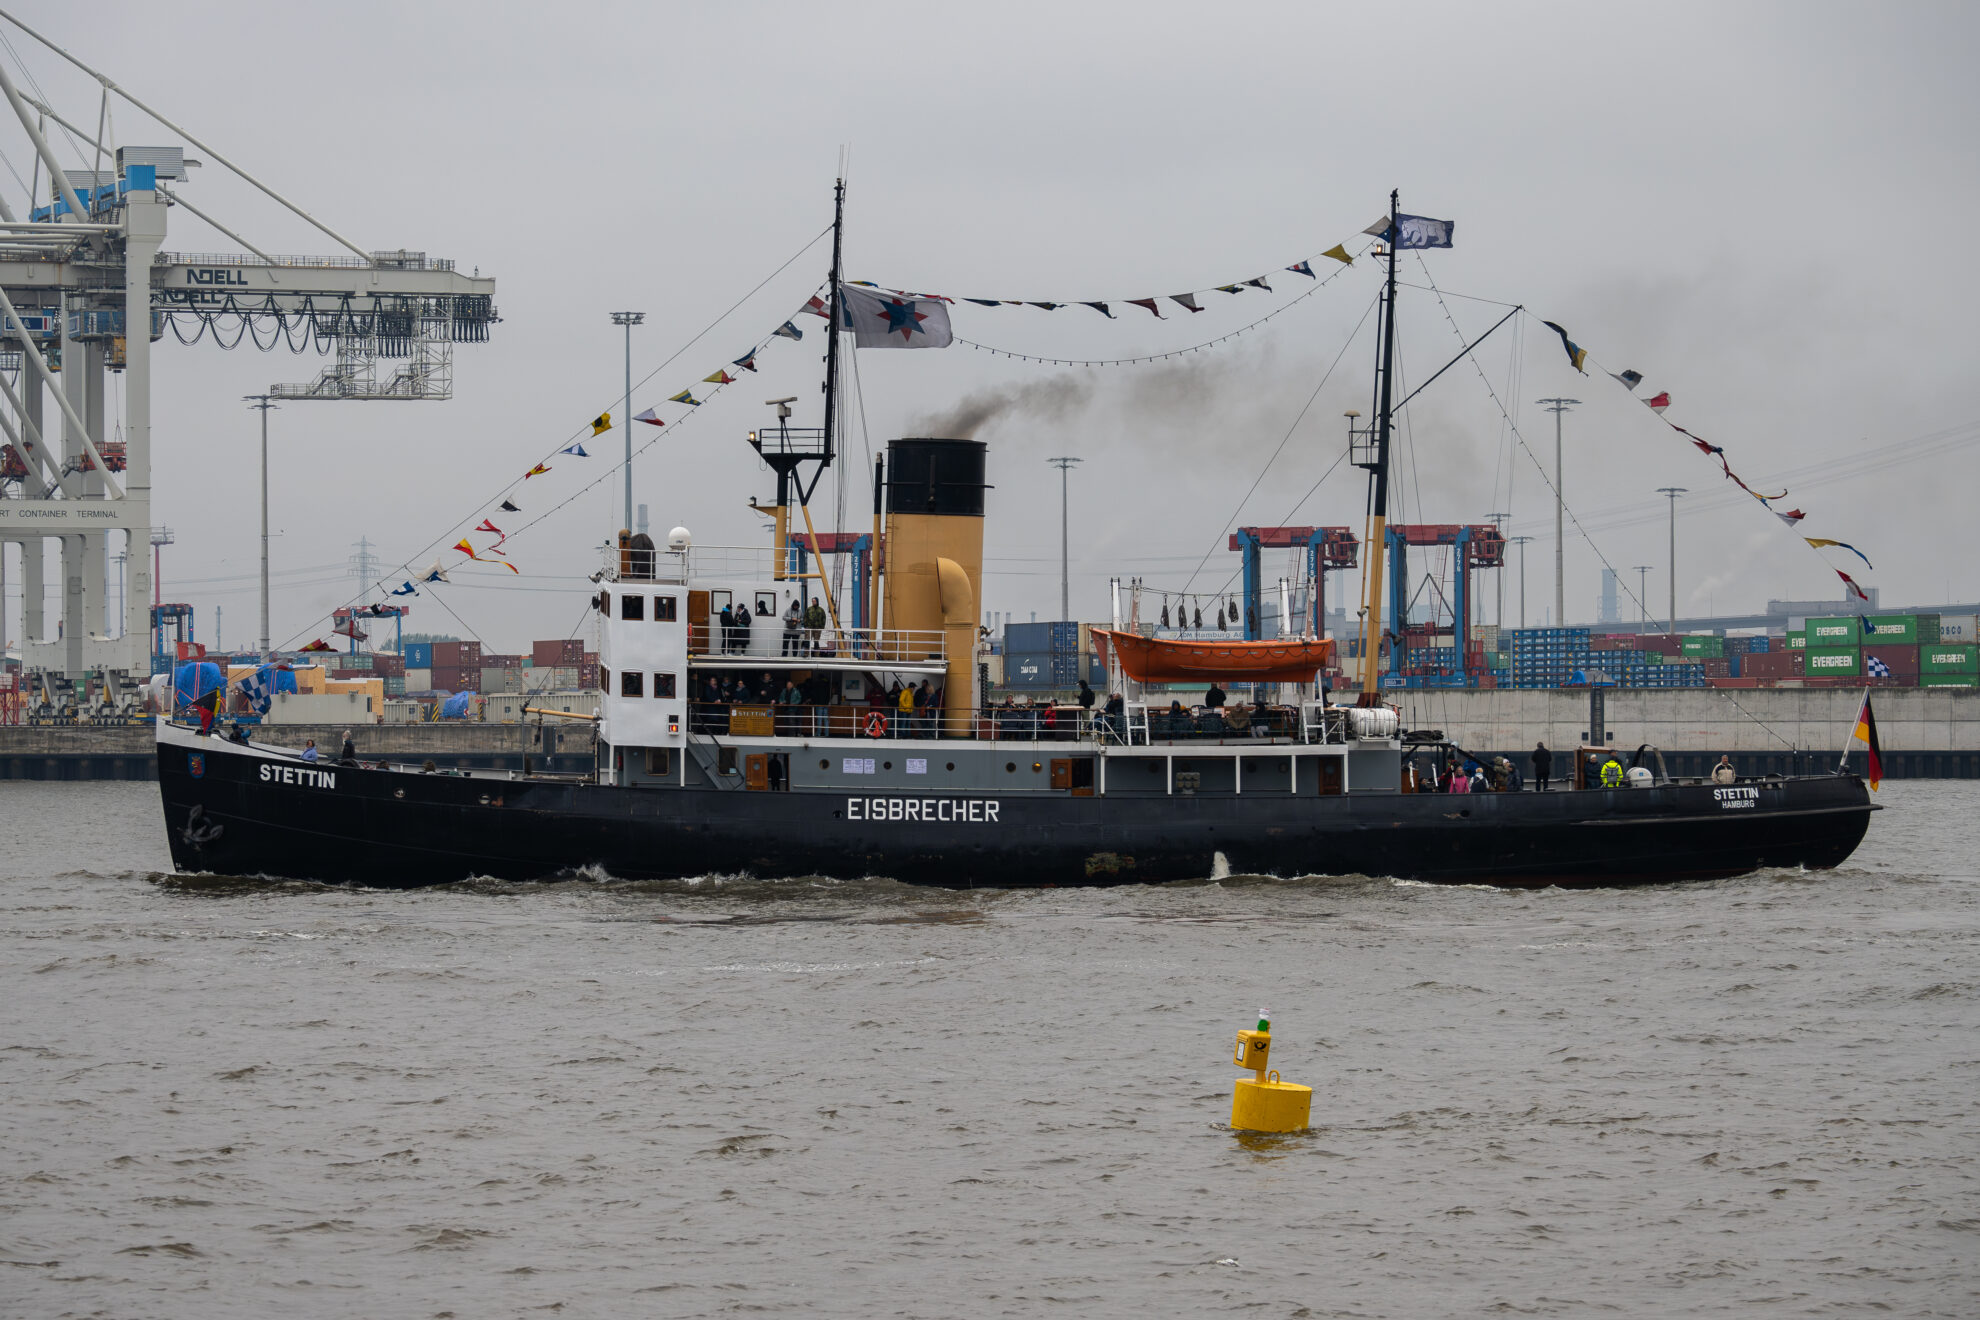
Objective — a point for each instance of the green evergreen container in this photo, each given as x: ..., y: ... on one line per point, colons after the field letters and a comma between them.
x: 1834, y: 632
x: 1969, y: 681
x: 1893, y: 629
x: 1832, y: 662
x: 1949, y: 658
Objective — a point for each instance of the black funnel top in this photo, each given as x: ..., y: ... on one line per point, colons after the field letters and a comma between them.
x: 943, y: 477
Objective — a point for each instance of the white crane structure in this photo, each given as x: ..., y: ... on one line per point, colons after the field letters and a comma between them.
x: 83, y: 268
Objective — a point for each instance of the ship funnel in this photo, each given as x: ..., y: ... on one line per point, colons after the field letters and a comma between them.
x: 934, y: 561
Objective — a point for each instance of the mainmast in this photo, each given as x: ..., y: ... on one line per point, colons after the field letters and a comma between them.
x: 1376, y: 544
x: 832, y: 335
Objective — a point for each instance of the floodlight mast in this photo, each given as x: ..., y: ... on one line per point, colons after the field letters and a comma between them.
x: 1557, y: 407
x: 628, y: 320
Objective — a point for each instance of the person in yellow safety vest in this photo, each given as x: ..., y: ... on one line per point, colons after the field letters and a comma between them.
x: 1612, y: 773
x: 905, y: 725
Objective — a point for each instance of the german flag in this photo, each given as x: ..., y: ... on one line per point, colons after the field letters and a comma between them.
x: 1866, y: 733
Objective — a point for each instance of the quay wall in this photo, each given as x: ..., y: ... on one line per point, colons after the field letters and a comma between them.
x: 1925, y: 732
x: 1931, y: 733
x: 127, y: 751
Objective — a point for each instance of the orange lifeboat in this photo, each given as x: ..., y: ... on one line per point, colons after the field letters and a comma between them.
x: 1155, y: 660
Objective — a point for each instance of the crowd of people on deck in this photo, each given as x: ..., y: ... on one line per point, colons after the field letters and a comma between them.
x: 803, y: 628
x: 801, y: 707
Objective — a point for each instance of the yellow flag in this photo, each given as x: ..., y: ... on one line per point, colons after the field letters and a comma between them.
x: 1339, y: 253
x: 601, y: 423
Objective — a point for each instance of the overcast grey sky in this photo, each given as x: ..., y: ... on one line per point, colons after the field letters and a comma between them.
x: 1762, y: 207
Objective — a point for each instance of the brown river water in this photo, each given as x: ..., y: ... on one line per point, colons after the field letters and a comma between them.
x: 224, y: 1098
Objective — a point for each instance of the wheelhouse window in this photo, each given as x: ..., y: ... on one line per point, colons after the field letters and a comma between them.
x: 663, y: 686
x: 632, y: 683
x: 663, y: 609
x: 632, y: 606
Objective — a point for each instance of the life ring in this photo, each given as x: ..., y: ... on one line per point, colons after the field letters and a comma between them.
x: 876, y: 724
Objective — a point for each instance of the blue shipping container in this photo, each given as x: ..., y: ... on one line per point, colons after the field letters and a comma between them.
x: 419, y: 655
x: 1037, y: 638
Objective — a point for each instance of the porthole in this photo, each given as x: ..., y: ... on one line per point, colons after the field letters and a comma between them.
x: 824, y: 765
x: 886, y: 765
x: 1036, y: 767
x: 952, y: 765
x: 1010, y: 767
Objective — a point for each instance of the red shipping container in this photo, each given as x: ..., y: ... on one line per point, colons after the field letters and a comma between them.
x: 1768, y: 664
x: 457, y: 655
x: 1716, y: 667
x: 1902, y: 661
x: 387, y: 665
x: 455, y: 678
x: 557, y: 651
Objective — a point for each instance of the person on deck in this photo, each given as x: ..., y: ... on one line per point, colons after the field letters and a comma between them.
x: 1214, y: 698
x: 1543, y: 765
x: 793, y: 622
x: 1085, y: 695
x: 924, y: 711
x: 309, y: 752
x: 741, y: 616
x: 814, y: 624
x: 728, y: 626
x: 1723, y: 772
x: 349, y: 755
x: 787, y: 716
x: 1115, y: 713
x: 1458, y: 781
x: 904, y: 706
x: 1612, y: 773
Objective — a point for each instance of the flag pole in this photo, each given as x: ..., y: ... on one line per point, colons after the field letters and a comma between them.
x: 1850, y: 737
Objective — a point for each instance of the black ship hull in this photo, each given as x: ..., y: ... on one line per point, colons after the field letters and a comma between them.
x: 239, y: 811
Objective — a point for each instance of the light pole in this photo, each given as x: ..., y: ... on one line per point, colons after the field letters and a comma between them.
x: 1065, y: 578
x: 628, y: 320
x: 1557, y: 407
x: 1521, y: 541
x: 1673, y: 492
x: 1499, y: 617
x: 160, y: 538
x: 262, y: 403
x: 1642, y: 594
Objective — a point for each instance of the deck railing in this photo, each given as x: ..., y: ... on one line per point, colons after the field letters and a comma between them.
x: 767, y: 637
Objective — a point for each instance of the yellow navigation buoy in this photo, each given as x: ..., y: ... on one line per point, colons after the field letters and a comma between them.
x: 1263, y: 1103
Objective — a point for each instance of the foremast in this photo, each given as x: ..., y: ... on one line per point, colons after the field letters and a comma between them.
x: 1376, y: 537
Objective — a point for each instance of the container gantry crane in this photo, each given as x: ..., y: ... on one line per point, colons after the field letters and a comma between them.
x: 80, y: 271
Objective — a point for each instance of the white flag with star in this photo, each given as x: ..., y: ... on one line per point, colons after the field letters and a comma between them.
x: 880, y: 319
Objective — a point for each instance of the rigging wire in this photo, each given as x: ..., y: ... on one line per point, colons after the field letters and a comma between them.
x: 1534, y: 458
x: 611, y: 468
x: 1283, y: 440
x: 1642, y: 608
x: 1160, y: 357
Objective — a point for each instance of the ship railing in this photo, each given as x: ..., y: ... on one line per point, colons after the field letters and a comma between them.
x: 748, y: 719
x: 767, y: 638
x: 719, y: 567
x: 1321, y: 723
